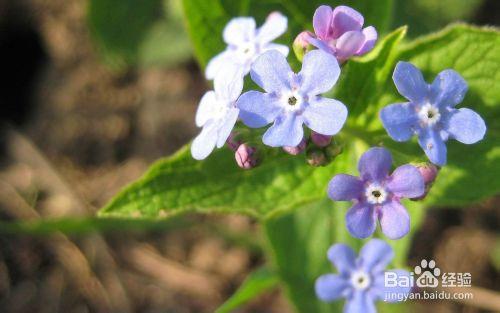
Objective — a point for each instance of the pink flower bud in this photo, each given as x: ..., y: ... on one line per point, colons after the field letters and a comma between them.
x: 246, y: 157
x: 296, y: 150
x: 301, y: 44
x: 429, y: 173
x: 320, y: 140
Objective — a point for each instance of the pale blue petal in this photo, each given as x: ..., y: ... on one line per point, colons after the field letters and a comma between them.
x: 399, y: 120
x: 325, y: 116
x: 206, y: 108
x: 361, y: 220
x: 286, y: 131
x: 274, y: 46
x: 320, y: 71
x: 448, y: 89
x: 205, y: 142
x: 375, y: 255
x: 406, y: 182
x: 465, y: 126
x: 394, y: 220
x: 258, y: 109
x: 226, y: 126
x: 410, y: 82
x: 360, y: 302
x: 228, y: 83
x: 343, y: 257
x: 433, y: 145
x: 218, y: 62
x: 344, y: 187
x: 239, y: 30
x: 375, y: 164
x: 271, y: 72
x: 274, y: 26
x: 331, y: 287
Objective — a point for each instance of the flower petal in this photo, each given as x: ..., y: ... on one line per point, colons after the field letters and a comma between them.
x: 371, y: 36
x: 399, y: 120
x: 375, y: 255
x: 410, y: 82
x: 274, y: 46
x: 325, y: 116
x: 322, y: 21
x: 345, y: 19
x: 239, y: 30
x: 343, y: 257
x: 389, y: 293
x: 274, y: 26
x: 361, y: 220
x: 394, y: 220
x: 319, y: 73
x: 406, y: 181
x: 344, y: 187
x: 271, y: 72
x: 206, y: 108
x: 226, y: 126
x: 224, y: 59
x: 466, y: 126
x: 322, y: 45
x: 257, y: 109
x: 433, y: 145
x: 375, y: 164
x: 228, y: 83
x: 349, y: 44
x: 448, y: 89
x: 286, y: 131
x: 360, y: 301
x: 205, y: 142
x: 330, y: 287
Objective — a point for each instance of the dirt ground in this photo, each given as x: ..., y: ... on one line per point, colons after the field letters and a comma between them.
x: 77, y: 132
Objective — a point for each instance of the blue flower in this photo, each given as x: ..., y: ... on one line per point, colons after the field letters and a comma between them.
x: 291, y: 100
x: 245, y: 43
x: 430, y: 112
x: 361, y: 280
x: 377, y: 195
x: 217, y: 113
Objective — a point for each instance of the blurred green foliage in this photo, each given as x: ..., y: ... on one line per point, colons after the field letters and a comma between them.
x: 138, y: 33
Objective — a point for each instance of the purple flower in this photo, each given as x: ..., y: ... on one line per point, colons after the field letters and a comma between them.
x: 430, y: 112
x: 376, y: 194
x: 361, y: 280
x: 291, y: 100
x: 245, y: 43
x: 339, y: 32
x: 217, y: 113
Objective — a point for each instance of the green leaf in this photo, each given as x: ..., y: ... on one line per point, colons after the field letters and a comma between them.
x: 144, y: 33
x: 257, y: 283
x: 206, y: 19
x: 180, y: 184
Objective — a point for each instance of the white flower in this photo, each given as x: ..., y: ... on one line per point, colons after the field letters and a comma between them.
x: 217, y: 112
x: 245, y: 43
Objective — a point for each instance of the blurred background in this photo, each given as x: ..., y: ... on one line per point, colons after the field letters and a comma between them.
x: 92, y: 92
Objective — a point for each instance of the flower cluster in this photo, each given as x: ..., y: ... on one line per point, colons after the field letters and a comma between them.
x: 290, y: 100
x: 430, y: 113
